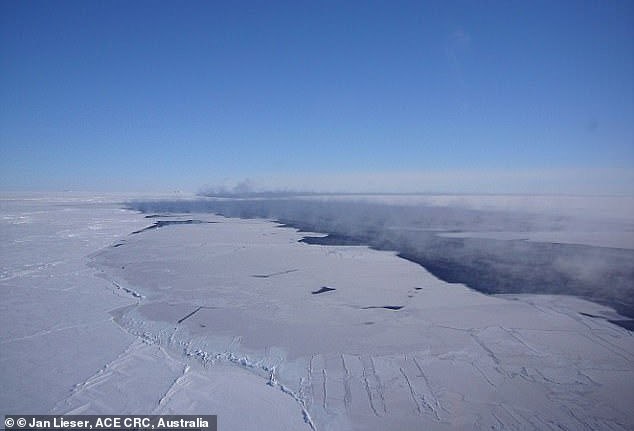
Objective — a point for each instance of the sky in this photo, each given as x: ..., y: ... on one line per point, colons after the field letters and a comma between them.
x: 394, y: 96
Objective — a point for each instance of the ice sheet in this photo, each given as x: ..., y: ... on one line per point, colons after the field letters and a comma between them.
x: 390, y: 345
x: 222, y: 318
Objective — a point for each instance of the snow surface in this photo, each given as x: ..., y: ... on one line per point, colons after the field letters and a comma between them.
x: 221, y: 318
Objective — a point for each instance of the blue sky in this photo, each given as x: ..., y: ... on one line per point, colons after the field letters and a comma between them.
x: 358, y: 96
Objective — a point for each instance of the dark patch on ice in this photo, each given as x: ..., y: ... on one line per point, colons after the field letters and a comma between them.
x: 189, y: 315
x: 332, y: 239
x: 274, y: 274
x: 162, y: 223
x: 594, y: 316
x: 128, y: 290
x: 368, y: 323
x: 387, y: 307
x: 161, y: 215
x: 118, y: 245
x: 418, y: 288
x: 322, y: 290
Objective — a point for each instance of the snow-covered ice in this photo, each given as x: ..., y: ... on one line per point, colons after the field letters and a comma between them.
x: 224, y: 318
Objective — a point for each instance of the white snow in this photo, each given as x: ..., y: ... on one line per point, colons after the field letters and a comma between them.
x: 220, y: 318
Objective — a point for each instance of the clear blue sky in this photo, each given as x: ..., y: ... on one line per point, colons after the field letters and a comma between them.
x: 164, y: 95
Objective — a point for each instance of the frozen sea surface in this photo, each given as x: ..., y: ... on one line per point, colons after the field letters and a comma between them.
x: 580, y: 246
x: 62, y: 352
x: 222, y: 317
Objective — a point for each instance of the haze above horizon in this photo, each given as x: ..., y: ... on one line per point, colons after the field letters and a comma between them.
x: 459, y: 97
